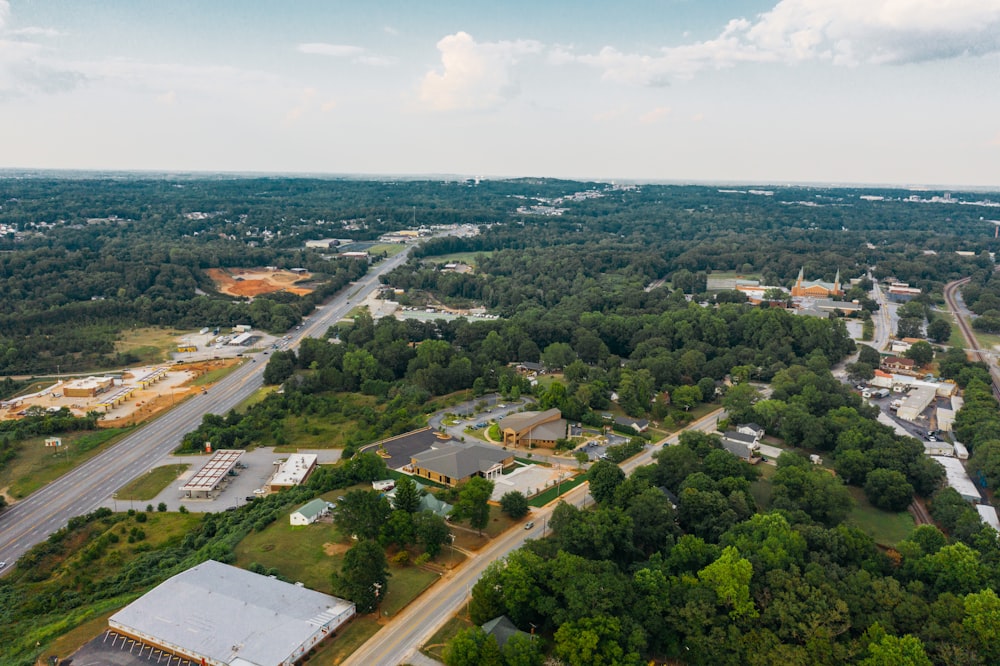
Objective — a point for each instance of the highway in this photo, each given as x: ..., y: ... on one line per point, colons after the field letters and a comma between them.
x: 411, y: 628
x: 88, y: 486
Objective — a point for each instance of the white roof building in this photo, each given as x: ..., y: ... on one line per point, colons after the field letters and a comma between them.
x: 959, y: 479
x: 293, y: 472
x: 989, y: 516
x: 219, y: 614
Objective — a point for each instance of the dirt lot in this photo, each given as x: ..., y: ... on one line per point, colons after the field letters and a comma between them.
x: 175, y: 385
x: 256, y: 281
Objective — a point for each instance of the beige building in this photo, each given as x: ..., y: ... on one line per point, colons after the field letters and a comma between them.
x: 530, y: 429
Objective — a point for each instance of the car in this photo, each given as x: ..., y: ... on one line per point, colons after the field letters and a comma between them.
x: 931, y: 438
x: 250, y: 498
x: 2, y: 565
x: 528, y: 525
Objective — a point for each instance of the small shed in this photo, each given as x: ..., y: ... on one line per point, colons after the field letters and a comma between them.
x: 309, y: 513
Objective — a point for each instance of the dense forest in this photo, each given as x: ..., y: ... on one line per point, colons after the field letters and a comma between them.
x: 680, y: 560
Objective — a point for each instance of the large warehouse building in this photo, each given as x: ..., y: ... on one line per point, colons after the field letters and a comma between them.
x: 219, y: 615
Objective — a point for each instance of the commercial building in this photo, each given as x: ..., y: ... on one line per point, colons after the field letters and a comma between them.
x: 292, y: 472
x: 219, y: 615
x: 452, y: 463
x: 529, y: 429
x: 817, y: 288
x: 87, y: 387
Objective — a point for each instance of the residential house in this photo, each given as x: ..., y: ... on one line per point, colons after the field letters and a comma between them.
x: 899, y: 364
x: 751, y: 429
x: 501, y: 628
x: 309, y: 513
x: 639, y: 425
x: 741, y: 445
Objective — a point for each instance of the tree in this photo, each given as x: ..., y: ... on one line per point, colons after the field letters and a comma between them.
x: 523, y: 650
x: 739, y: 402
x: 982, y: 622
x: 860, y: 372
x: 939, y: 330
x: 820, y: 494
x: 361, y: 513
x: 686, y: 396
x: 888, y: 489
x: 985, y: 460
x: 464, y: 648
x: 604, y: 478
x: 869, y: 356
x: 398, y: 529
x: 473, y: 502
x: 888, y: 650
x: 364, y: 575
x: 514, y: 504
x: 729, y: 576
x: 431, y: 531
x: 921, y: 352
x: 367, y: 467
x: 407, y: 495
x: 909, y: 327
x: 594, y: 641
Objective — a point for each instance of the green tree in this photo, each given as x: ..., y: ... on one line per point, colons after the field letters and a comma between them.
x: 888, y: 650
x: 729, y: 576
x: 869, y: 356
x: 514, y: 504
x: 364, y: 575
x: 464, y: 649
x: 986, y: 460
x: 921, y: 352
x: 431, y: 531
x: 523, y: 650
x: 939, y: 330
x: 739, y: 402
x: 982, y: 623
x: 407, y: 495
x: 888, y: 489
x: 398, y: 529
x: 361, y: 513
x: 594, y: 641
x: 367, y: 467
x: 473, y: 502
x: 686, y: 396
x: 604, y: 478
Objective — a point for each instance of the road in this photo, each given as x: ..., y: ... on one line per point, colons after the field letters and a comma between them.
x: 91, y: 484
x: 882, y: 319
x: 411, y: 628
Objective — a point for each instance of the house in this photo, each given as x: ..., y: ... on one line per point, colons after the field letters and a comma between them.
x: 530, y: 429
x: 816, y: 288
x: 501, y: 628
x: 898, y: 364
x: 740, y: 445
x: 528, y: 368
x: 639, y: 425
x: 427, y: 501
x: 309, y: 513
x: 751, y: 429
x: 201, y: 615
x: 452, y: 463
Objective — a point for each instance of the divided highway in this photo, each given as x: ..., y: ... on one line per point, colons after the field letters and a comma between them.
x: 90, y: 485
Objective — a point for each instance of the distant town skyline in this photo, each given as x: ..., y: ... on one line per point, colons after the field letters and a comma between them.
x: 888, y: 92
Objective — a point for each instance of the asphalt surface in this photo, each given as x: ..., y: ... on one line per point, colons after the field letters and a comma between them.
x: 402, y: 637
x: 91, y: 485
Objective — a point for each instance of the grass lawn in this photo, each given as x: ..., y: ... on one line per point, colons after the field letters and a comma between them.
x: 761, y: 488
x: 390, y: 249
x: 434, y: 647
x: 258, y: 396
x: 150, y: 345
x: 546, y: 381
x: 149, y: 485
x: 886, y: 527
x: 341, y: 646
x: 406, y: 584
x: 213, y: 376
x: 307, y: 554
x: 555, y: 491
x: 987, y: 340
x: 36, y: 465
x: 955, y: 339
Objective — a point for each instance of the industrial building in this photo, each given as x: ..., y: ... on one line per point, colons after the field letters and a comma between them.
x: 292, y: 472
x: 219, y: 615
x: 915, y: 403
x: 959, y: 479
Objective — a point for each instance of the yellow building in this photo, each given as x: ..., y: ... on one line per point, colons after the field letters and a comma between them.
x: 817, y: 288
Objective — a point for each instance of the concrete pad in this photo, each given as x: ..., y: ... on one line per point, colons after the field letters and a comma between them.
x: 528, y: 479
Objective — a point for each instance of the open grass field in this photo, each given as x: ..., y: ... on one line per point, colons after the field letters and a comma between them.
x: 36, y: 465
x: 987, y: 340
x: 150, y: 344
x: 761, y: 488
x: 459, y: 257
x: 434, y: 648
x: 212, y: 376
x: 555, y: 491
x: 148, y: 486
x: 308, y: 554
x: 389, y: 249
x: 886, y: 527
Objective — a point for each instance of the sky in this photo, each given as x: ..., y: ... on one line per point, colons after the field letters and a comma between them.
x: 902, y: 92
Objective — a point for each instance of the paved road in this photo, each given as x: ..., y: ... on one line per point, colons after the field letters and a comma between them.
x: 90, y: 485
x: 410, y: 629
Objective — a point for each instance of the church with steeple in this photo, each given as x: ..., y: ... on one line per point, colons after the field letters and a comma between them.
x: 817, y: 288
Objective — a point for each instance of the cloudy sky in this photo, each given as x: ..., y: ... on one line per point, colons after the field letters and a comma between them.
x: 833, y: 91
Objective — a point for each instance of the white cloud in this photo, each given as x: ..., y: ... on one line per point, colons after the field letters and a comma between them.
x: 335, y: 50
x: 168, y: 98
x: 389, y: 30
x: 356, y: 54
x: 654, y: 116
x: 474, y: 75
x: 4, y: 13
x: 842, y: 32
x: 35, y: 31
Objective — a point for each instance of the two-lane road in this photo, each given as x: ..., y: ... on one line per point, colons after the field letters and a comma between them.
x: 394, y: 643
x: 91, y: 484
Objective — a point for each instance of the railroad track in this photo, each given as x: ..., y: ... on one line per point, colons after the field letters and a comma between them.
x: 972, y: 345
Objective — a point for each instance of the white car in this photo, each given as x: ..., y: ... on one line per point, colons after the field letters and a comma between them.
x: 2, y: 565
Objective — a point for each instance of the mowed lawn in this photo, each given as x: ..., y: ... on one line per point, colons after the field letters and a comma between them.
x: 149, y: 345
x: 886, y: 527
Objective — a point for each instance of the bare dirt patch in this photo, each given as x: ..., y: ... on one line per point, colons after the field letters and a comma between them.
x: 250, y: 282
x: 332, y: 549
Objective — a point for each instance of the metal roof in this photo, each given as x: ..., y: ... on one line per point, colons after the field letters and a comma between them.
x: 209, y: 476
x: 223, y: 613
